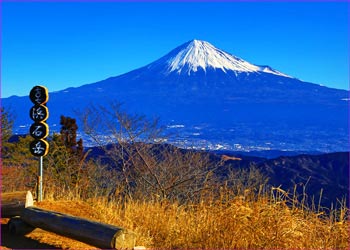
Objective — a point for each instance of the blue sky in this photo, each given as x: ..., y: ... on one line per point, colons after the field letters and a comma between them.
x: 68, y: 44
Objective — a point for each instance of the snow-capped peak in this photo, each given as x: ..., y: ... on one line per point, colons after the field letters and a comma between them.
x: 200, y: 54
x: 197, y: 54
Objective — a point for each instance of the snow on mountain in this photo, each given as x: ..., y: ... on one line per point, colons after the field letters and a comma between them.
x: 196, y: 54
x: 202, y: 54
x: 268, y: 69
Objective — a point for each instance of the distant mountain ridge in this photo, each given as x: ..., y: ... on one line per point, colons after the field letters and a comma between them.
x: 220, y: 101
x: 325, y: 177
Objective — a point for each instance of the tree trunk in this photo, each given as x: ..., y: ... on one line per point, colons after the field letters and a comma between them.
x: 12, y: 204
x: 93, y: 233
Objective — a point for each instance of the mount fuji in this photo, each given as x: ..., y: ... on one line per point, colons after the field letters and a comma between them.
x: 200, y: 55
x: 215, y: 100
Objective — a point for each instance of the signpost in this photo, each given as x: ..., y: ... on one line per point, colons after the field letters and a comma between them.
x: 39, y: 130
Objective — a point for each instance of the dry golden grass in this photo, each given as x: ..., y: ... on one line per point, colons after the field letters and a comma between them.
x: 267, y: 222
x: 269, y: 219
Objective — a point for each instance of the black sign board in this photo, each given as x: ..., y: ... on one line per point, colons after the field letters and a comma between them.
x: 39, y: 113
x: 39, y: 95
x: 39, y: 147
x: 39, y: 130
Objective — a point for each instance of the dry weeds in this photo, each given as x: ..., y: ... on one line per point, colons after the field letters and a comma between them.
x: 269, y: 222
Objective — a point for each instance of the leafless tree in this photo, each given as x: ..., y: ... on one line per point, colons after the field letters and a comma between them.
x: 148, y: 168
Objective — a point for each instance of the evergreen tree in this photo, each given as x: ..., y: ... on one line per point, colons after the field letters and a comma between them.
x: 6, y: 133
x: 6, y: 126
x: 66, y: 157
x: 68, y: 132
x: 18, y: 165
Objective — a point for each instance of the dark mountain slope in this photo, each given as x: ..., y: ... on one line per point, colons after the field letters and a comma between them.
x: 329, y: 172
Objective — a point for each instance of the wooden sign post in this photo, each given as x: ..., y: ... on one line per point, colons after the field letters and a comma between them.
x: 39, y: 130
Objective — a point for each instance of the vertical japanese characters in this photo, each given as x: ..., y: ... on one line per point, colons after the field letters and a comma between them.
x: 39, y: 113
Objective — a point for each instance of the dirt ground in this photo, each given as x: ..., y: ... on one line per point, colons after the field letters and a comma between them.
x: 40, y: 239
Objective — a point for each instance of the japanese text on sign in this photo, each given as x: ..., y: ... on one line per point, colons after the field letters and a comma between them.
x: 39, y: 95
x: 39, y: 147
x: 39, y: 113
x: 39, y: 130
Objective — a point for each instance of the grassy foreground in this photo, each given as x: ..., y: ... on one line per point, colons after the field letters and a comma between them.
x: 269, y: 221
